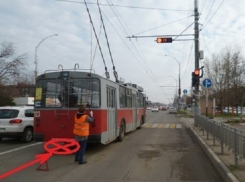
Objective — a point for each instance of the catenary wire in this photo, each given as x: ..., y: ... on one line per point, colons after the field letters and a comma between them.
x: 202, y: 6
x: 209, y: 12
x: 124, y: 6
x: 214, y: 13
x: 205, y: 43
x: 143, y: 58
x: 163, y: 25
x: 137, y: 48
x: 96, y: 36
x: 126, y: 45
x: 108, y: 45
x: 187, y: 65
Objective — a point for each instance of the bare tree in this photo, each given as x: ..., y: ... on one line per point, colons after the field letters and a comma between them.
x: 227, y: 71
x: 27, y: 78
x: 10, y: 65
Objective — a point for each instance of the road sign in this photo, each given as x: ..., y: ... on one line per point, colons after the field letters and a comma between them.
x: 185, y: 91
x: 207, y: 83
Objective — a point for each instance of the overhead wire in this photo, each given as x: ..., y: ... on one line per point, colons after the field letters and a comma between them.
x: 209, y: 11
x: 184, y: 75
x: 108, y: 45
x: 163, y: 25
x: 142, y: 56
x: 183, y: 31
x: 124, y: 6
x: 124, y: 42
x: 214, y: 13
x: 205, y: 43
x: 96, y: 35
x: 202, y: 6
x: 145, y: 69
x: 188, y: 63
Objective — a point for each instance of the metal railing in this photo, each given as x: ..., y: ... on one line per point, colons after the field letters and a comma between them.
x: 227, y: 136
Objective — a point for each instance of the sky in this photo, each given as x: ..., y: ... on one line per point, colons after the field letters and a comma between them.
x: 142, y: 61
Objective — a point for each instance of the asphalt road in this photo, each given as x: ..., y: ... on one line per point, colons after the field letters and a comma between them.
x: 161, y: 151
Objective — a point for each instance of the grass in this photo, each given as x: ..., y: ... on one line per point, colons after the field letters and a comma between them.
x: 235, y: 121
x: 182, y: 112
x: 185, y: 114
x: 226, y: 116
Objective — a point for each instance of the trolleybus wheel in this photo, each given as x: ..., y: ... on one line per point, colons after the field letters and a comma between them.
x: 121, y: 132
x: 27, y: 135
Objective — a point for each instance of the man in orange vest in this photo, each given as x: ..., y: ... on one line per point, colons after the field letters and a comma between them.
x: 81, y: 131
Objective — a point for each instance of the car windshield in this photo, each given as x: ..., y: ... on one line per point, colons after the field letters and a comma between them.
x: 8, y: 113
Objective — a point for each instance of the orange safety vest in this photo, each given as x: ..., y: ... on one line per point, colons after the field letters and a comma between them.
x: 81, y: 127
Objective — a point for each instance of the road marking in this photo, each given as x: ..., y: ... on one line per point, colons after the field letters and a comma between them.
x: 148, y: 125
x: 154, y: 126
x: 178, y: 126
x: 172, y: 126
x: 160, y: 126
x: 166, y: 125
x: 13, y: 150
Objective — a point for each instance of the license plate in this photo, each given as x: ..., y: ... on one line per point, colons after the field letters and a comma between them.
x: 2, y: 129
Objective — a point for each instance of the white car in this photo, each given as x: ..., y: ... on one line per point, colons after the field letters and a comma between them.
x: 17, y: 122
x: 154, y: 109
x: 172, y: 110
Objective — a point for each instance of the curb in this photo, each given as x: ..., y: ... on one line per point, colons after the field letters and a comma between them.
x: 223, y: 171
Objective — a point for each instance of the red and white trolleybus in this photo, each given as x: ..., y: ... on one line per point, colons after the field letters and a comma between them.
x: 118, y: 108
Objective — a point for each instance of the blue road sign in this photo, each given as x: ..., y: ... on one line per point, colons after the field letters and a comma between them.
x: 185, y: 91
x: 207, y: 83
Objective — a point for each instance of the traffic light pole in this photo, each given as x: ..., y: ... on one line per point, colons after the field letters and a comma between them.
x: 197, y: 95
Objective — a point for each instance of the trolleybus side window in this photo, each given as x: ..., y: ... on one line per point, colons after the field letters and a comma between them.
x: 129, y: 98
x: 87, y: 91
x: 140, y: 100
x: 122, y: 91
x: 110, y: 97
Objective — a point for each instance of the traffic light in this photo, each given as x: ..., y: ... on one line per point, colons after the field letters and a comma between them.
x: 195, y: 78
x: 164, y: 40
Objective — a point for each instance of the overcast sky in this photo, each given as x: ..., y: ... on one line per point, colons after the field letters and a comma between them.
x: 141, y: 61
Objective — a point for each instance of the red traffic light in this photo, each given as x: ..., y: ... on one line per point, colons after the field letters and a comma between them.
x: 164, y: 40
x: 196, y: 72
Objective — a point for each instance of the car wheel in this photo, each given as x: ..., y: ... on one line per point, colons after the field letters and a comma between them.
x: 27, y: 135
x: 121, y: 132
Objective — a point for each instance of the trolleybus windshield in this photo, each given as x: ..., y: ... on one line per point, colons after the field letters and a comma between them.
x: 67, y: 92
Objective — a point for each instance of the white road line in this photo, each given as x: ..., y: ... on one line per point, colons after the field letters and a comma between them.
x: 178, y: 126
x: 154, y: 126
x: 13, y: 150
x: 144, y: 124
x: 166, y: 126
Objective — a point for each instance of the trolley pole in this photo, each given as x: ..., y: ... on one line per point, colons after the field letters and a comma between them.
x: 197, y: 95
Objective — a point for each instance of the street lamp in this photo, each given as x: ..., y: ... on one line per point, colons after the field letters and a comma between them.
x: 176, y: 84
x: 35, y: 62
x: 179, y: 73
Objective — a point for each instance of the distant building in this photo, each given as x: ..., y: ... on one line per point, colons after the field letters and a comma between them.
x: 19, y: 90
x: 23, y: 101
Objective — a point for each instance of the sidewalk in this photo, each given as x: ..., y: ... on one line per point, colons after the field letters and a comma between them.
x: 224, y: 164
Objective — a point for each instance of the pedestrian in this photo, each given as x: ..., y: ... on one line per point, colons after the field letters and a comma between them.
x: 81, y: 131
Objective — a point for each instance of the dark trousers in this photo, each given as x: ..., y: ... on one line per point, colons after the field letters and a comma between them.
x: 80, y: 153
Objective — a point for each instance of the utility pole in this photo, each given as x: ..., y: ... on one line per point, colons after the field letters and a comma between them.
x: 197, y: 95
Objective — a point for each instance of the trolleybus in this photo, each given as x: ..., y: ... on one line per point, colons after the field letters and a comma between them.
x: 118, y: 108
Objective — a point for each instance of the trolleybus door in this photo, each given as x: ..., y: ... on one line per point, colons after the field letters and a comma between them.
x: 111, y: 113
x: 134, y: 107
